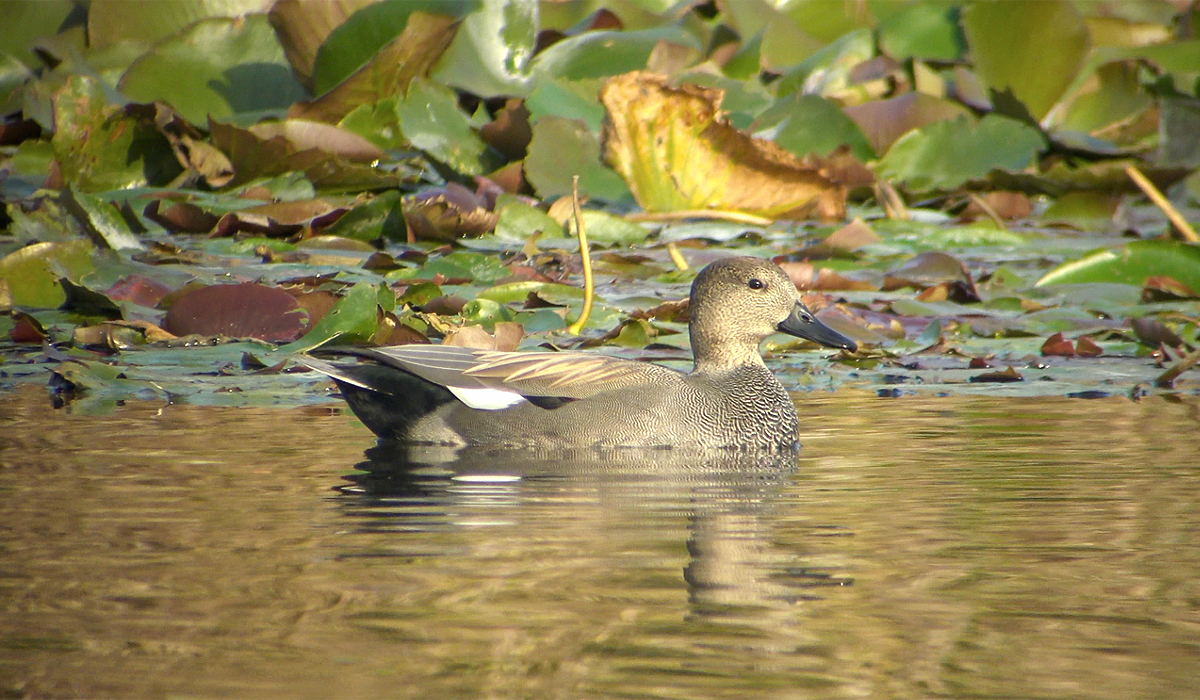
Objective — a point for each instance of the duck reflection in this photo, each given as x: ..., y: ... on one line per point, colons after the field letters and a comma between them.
x: 720, y: 508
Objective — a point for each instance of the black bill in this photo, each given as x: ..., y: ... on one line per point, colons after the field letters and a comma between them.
x: 803, y: 324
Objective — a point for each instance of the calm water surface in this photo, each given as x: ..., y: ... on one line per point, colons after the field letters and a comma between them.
x: 920, y: 547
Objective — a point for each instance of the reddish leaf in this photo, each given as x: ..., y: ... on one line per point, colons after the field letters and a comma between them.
x: 181, y: 217
x: 238, y: 311
x: 1086, y: 347
x: 27, y: 329
x: 1008, y: 375
x: 1163, y: 288
x: 509, y: 132
x: 1057, y: 345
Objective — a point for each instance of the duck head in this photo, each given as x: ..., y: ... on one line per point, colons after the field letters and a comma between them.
x: 737, y: 302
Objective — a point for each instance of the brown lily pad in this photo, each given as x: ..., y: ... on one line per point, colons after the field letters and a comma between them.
x: 246, y: 310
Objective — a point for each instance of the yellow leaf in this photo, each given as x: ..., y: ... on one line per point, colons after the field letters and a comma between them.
x: 677, y: 152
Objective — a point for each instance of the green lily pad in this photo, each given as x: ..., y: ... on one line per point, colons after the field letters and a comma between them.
x: 32, y: 272
x: 518, y: 221
x: 99, y: 147
x: 805, y: 124
x: 607, y: 229
x: 363, y: 34
x: 513, y: 292
x: 431, y: 121
x: 1033, y: 54
x: 1132, y: 264
x: 148, y: 21
x: 217, y: 67
x: 924, y: 30
x: 946, y: 154
x: 354, y: 318
x: 102, y: 220
x: 379, y: 216
x: 602, y: 53
x: 564, y: 147
x: 569, y: 100
x: 491, y: 51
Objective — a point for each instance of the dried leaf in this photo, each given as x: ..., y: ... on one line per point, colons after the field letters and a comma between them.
x: 677, y: 152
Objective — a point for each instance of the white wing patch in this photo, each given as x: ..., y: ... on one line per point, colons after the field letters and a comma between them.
x: 486, y: 399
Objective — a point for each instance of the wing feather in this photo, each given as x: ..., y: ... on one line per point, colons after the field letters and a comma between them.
x: 552, y: 374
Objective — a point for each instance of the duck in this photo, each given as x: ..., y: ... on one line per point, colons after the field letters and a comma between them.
x: 457, y: 396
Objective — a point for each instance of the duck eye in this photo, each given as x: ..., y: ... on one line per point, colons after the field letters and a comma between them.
x: 756, y: 283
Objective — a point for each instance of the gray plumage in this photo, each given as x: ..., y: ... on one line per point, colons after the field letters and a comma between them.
x: 421, y: 393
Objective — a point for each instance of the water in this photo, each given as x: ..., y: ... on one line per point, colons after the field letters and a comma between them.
x: 968, y: 547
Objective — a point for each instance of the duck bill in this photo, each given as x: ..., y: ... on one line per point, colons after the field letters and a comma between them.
x: 803, y: 324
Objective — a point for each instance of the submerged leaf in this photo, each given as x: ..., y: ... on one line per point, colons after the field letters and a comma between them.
x: 677, y: 152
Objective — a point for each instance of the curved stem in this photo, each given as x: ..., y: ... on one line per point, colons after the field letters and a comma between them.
x: 588, y: 285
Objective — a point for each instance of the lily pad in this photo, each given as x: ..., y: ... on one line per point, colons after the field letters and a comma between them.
x: 431, y: 121
x: 353, y: 43
x: 354, y: 318
x: 1132, y: 264
x: 237, y: 311
x: 303, y: 26
x: 490, y: 53
x: 32, y: 272
x: 99, y: 147
x: 947, y: 154
x: 1033, y: 54
x: 602, y: 53
x: 389, y: 72
x: 805, y: 124
x: 216, y: 68
x: 144, y: 21
x: 562, y: 148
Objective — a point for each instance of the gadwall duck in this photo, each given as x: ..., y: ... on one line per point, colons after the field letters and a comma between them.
x: 445, y: 395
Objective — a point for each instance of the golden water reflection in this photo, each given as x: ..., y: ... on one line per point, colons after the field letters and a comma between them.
x: 922, y: 547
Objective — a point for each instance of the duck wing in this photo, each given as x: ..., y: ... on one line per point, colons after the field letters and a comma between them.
x: 491, y: 379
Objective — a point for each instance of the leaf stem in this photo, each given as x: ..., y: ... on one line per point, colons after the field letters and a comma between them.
x: 589, y: 289
x: 1161, y: 202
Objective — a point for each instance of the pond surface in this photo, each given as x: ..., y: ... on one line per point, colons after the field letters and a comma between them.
x: 971, y: 547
